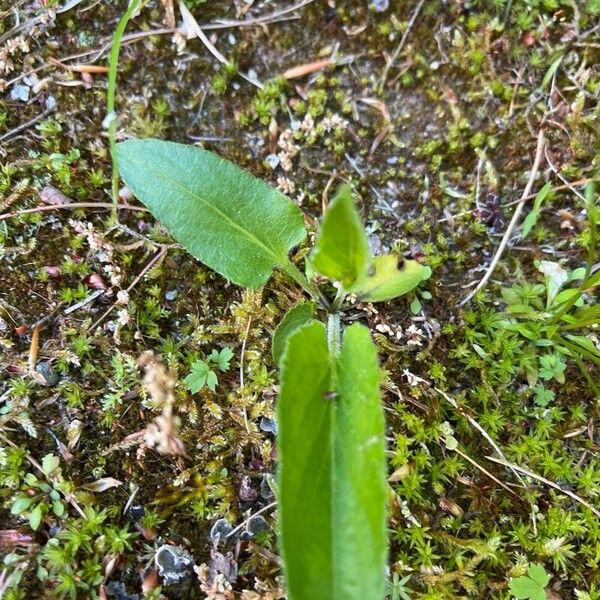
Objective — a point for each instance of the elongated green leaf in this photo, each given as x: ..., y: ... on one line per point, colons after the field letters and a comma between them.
x: 360, y: 489
x: 531, y: 219
x: 297, y: 316
x: 231, y: 221
x: 388, y: 279
x: 550, y: 72
x: 332, y: 489
x: 342, y: 250
x: 305, y: 464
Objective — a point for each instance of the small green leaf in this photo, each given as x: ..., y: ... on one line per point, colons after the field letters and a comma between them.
x: 538, y: 574
x: 21, y: 504
x: 35, y: 517
x: 531, y: 219
x: 196, y: 380
x: 543, y: 397
x: 50, y: 463
x: 231, y: 221
x: 58, y: 508
x: 532, y: 587
x: 222, y: 358
x: 390, y: 277
x: 297, y: 316
x: 415, y: 306
x: 211, y: 380
x: 550, y: 72
x: 342, y: 250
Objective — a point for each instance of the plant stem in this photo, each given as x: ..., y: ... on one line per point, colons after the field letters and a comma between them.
x: 338, y: 300
x: 113, y: 63
x: 334, y: 334
x: 311, y: 289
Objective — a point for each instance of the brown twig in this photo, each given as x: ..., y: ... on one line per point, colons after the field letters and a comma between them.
x: 553, y: 485
x: 556, y: 188
x: 476, y: 425
x: 78, y: 68
x: 158, y: 256
x: 541, y: 140
x: 396, y: 54
x: 485, y: 472
x: 27, y: 125
x: 71, y: 205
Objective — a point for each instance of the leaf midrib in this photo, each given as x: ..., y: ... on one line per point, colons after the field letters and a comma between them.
x: 279, y: 260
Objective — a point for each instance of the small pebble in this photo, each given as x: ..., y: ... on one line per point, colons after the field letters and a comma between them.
x: 20, y: 92
x: 379, y: 5
x: 272, y: 160
x: 220, y: 530
x: 48, y: 373
x: 171, y: 295
x: 268, y: 425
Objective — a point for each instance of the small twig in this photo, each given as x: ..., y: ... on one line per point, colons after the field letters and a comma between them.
x: 222, y: 23
x: 158, y: 256
x: 556, y: 188
x: 79, y: 68
x: 492, y: 477
x: 84, y: 302
x: 243, y: 351
x: 553, y: 485
x: 33, y: 350
x: 27, y: 125
x: 193, y: 24
x: 476, y: 425
x: 246, y: 521
x: 71, y: 205
x: 513, y: 222
x: 396, y: 54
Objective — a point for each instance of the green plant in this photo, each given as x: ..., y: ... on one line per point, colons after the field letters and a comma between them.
x: 332, y: 486
x: 201, y: 374
x: 531, y: 586
x: 556, y: 318
x: 111, y: 116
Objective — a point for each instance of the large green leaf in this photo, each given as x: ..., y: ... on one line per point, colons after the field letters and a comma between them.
x: 390, y: 277
x: 342, y: 250
x: 332, y: 489
x: 305, y: 464
x: 297, y: 316
x: 231, y: 221
x: 360, y: 490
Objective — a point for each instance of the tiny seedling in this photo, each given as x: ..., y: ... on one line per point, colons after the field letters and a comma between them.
x: 332, y: 473
x: 530, y: 587
x: 202, y: 374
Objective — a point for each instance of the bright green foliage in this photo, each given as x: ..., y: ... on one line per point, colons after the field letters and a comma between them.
x: 305, y: 506
x: 332, y: 468
x: 222, y: 358
x: 231, y: 221
x: 390, y: 277
x: 531, y: 219
x: 342, y: 250
x: 359, y: 486
x: 532, y: 586
x: 203, y: 375
x: 297, y: 316
x: 552, y: 367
